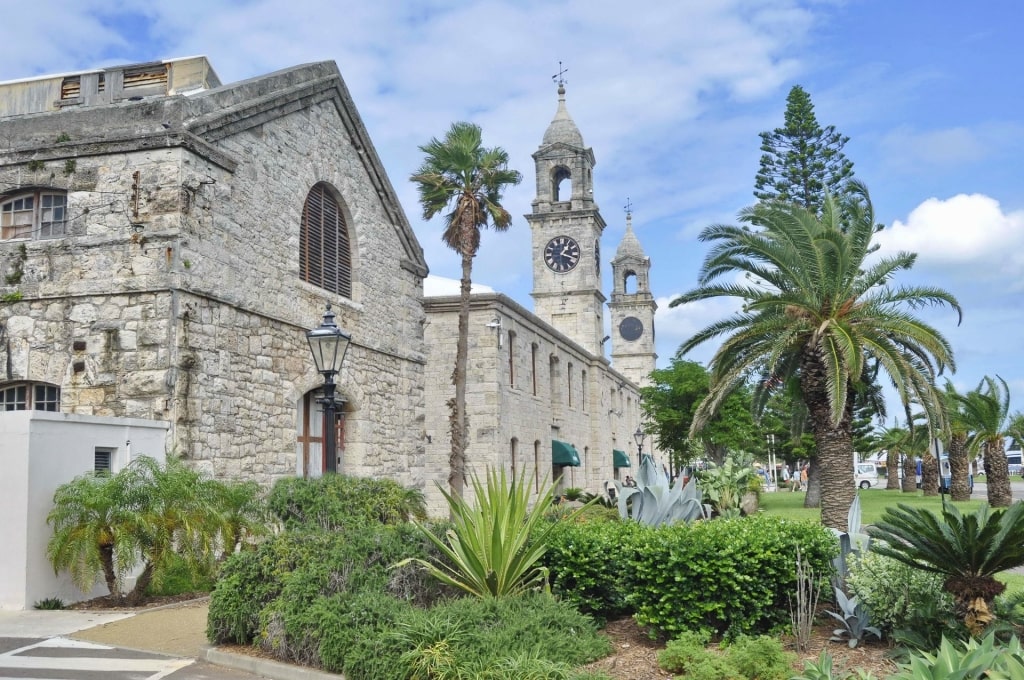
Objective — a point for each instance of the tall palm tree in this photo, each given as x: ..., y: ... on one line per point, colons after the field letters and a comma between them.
x: 814, y: 310
x: 957, y: 452
x: 464, y: 180
x: 987, y: 409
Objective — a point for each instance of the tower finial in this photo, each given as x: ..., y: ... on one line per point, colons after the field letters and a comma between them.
x: 560, y: 77
x: 629, y: 210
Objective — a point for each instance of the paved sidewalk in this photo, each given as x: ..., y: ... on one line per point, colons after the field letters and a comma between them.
x: 150, y: 630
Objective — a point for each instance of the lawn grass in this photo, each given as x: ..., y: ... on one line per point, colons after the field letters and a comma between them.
x: 873, y: 503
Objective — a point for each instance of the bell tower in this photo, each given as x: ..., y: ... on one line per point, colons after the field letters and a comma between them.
x: 632, y: 309
x: 566, y: 228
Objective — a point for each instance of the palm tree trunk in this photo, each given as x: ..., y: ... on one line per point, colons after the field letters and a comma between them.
x: 834, y: 442
x: 997, y: 474
x: 959, y: 468
x: 813, y: 497
x: 109, y: 575
x: 909, y: 484
x: 145, y: 578
x: 457, y: 459
x: 892, y: 473
x: 929, y: 475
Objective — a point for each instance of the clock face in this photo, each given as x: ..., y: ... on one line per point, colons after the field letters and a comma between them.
x: 561, y: 254
x: 631, y: 328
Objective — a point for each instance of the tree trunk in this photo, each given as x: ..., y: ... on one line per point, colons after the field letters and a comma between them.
x: 909, y: 483
x: 929, y: 475
x: 109, y: 575
x: 959, y: 468
x: 834, y: 441
x: 892, y: 473
x: 813, y: 497
x: 135, y: 597
x: 459, y: 424
x: 997, y: 474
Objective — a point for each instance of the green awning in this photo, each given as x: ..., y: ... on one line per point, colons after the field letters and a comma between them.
x: 620, y: 458
x: 564, y: 454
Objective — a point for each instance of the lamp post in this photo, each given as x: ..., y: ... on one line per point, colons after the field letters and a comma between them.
x: 638, y: 436
x: 328, y: 343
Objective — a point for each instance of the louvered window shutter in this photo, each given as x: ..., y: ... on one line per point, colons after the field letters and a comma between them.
x: 325, y: 257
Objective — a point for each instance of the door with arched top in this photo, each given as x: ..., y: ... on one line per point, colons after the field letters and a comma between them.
x: 311, y: 426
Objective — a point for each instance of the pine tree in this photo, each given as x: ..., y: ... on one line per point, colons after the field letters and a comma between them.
x: 801, y: 160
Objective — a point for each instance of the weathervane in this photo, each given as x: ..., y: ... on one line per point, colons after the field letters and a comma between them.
x: 558, y: 77
x: 628, y: 207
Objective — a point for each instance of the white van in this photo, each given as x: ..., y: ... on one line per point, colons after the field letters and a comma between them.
x: 865, y: 475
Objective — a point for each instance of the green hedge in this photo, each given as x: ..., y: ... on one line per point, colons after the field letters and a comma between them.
x: 731, y: 576
x: 337, y: 501
x: 589, y: 565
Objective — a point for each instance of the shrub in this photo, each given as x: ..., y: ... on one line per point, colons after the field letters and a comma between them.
x: 760, y: 658
x: 892, y: 590
x: 682, y: 651
x: 338, y: 501
x: 462, y: 637
x: 589, y: 566
x: 178, y: 578
x: 731, y: 576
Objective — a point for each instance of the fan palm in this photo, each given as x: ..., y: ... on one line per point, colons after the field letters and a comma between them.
x: 969, y: 550
x: 814, y: 311
x: 460, y: 176
x: 987, y: 409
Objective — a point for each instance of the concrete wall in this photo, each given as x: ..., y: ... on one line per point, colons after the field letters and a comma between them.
x: 39, y: 451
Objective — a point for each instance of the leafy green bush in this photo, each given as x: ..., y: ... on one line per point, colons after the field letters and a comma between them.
x: 589, y: 566
x: 760, y: 658
x: 892, y: 590
x: 975, y: 659
x: 683, y: 651
x: 178, y: 578
x: 731, y: 576
x: 467, y: 636
x: 338, y: 501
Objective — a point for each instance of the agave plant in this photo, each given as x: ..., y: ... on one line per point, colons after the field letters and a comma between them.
x: 969, y: 550
x: 496, y: 542
x: 654, y: 501
x: 855, y: 619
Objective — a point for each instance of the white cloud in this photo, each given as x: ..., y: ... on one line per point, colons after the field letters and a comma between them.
x: 971, y: 232
x: 675, y: 325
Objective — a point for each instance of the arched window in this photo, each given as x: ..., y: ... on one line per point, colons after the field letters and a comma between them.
x: 325, y: 251
x: 512, y: 452
x: 561, y: 176
x: 29, y: 396
x: 36, y: 214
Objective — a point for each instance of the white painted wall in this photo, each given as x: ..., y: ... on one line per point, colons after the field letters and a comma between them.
x: 39, y: 451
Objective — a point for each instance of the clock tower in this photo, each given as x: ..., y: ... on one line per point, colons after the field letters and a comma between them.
x: 632, y: 310
x: 566, y: 228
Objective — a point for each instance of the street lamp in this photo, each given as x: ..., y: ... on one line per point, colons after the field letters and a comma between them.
x: 638, y: 436
x: 328, y: 343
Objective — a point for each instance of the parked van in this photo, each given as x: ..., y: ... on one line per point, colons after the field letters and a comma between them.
x: 865, y: 475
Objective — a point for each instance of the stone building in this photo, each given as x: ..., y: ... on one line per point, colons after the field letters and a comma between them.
x: 542, y: 399
x: 167, y: 240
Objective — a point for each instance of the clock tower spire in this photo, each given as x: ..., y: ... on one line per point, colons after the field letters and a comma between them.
x: 566, y: 228
x: 632, y: 309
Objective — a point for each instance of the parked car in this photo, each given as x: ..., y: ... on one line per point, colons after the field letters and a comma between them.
x: 865, y: 475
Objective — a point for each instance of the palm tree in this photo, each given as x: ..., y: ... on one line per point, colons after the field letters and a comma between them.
x: 814, y: 310
x: 958, y: 454
x: 986, y: 409
x: 460, y: 176
x: 894, y: 441
x: 968, y: 549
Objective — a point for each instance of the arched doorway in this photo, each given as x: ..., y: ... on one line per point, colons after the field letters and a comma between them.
x: 310, y: 428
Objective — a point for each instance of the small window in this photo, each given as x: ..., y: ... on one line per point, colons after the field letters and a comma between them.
x: 101, y: 461
x: 29, y: 397
x: 36, y: 215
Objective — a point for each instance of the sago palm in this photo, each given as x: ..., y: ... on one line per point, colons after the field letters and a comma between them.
x: 986, y: 409
x: 464, y: 180
x: 815, y: 309
x: 969, y: 550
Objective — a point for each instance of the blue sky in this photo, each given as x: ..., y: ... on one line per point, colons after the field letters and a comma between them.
x: 671, y: 95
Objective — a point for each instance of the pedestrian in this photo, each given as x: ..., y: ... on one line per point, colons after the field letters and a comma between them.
x: 785, y: 476
x: 803, y: 475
